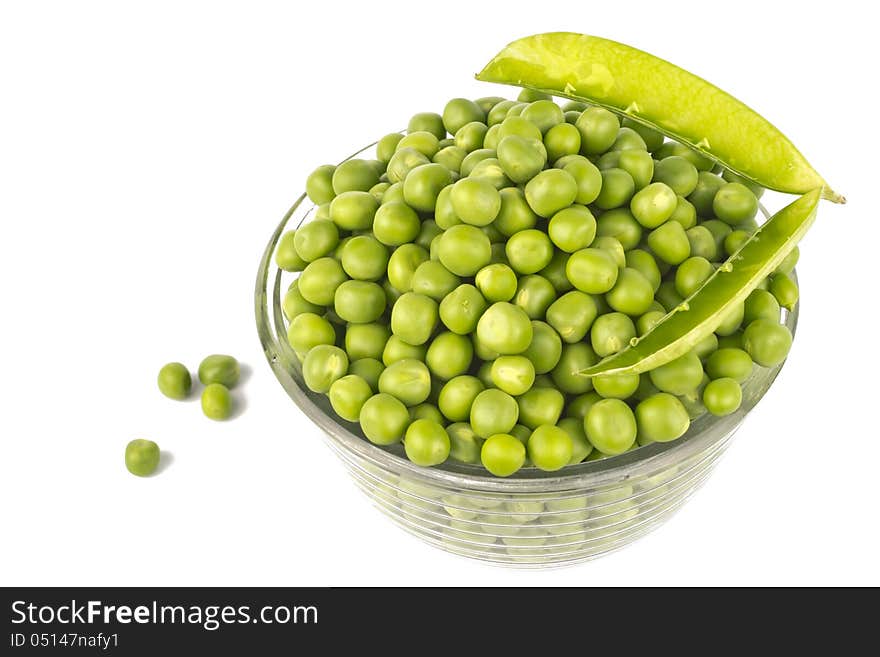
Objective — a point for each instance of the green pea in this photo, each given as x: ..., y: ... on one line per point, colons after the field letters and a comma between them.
x: 644, y: 263
x: 670, y: 243
x: 617, y: 189
x: 319, y: 184
x: 648, y: 320
x: 141, y: 457
x: 384, y: 419
x: 767, y: 342
x: 496, y: 282
x: 667, y: 295
x: 572, y: 228
x: 621, y: 225
x: 422, y: 141
x: 521, y: 158
x: 611, y: 333
x: 702, y: 243
x: 685, y: 213
x: 505, y: 329
x: 492, y: 137
x: 571, y: 315
x: 652, y: 138
x: 611, y: 426
x: 753, y: 187
x: 784, y: 290
x: 175, y: 381
x: 493, y: 411
x: 513, y: 374
x: 529, y: 251
x: 219, y: 368
x: 691, y: 275
x: 428, y: 232
x: 722, y: 396
x: 470, y: 136
x: 354, y: 210
x: 719, y: 230
x: 450, y: 157
x: 613, y: 247
x: 365, y: 340
x: 661, y: 418
x: 730, y: 363
x: 378, y: 190
x: 545, y: 348
x: 403, y: 161
x: 678, y: 173
x: 653, y: 205
x: 323, y: 365
x: 567, y: 374
x: 409, y: 380
x: 587, y: 178
x: 474, y: 158
x: 735, y: 240
x: 734, y: 203
x: 428, y: 122
x: 348, y: 395
x: 673, y: 149
x: 427, y: 411
x: 632, y: 293
x: 616, y: 386
x: 464, y: 249
x: 592, y: 270
x: 703, y: 195
x: 393, y: 194
x: 540, y: 405
x: 732, y: 320
x: 459, y: 112
x: 369, y: 369
x: 433, y: 280
x: 550, y: 191
x: 731, y: 341
x: 514, y: 214
x: 307, y: 330
x: 534, y: 294
x: 414, y: 317
x: 628, y: 139
x: 444, y: 212
x: 353, y: 175
x: 560, y: 140
x: 316, y: 239
x: 520, y: 127
x: 680, y: 376
x: 706, y: 347
x: 364, y: 258
x: 598, y: 128
x: 359, y: 302
x: 402, y: 265
x: 286, y: 256
x: 545, y: 114
x: 461, y: 309
x: 423, y: 184
x: 426, y: 443
x: 449, y: 355
x: 464, y: 444
x: 386, y: 146
x: 396, y: 350
x: 760, y: 304
x: 294, y: 303
x: 457, y: 396
x: 550, y: 448
x: 555, y: 272
x: 502, y: 454
x: 580, y: 446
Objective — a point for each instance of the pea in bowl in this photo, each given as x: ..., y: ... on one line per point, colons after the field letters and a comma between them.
x: 533, y: 518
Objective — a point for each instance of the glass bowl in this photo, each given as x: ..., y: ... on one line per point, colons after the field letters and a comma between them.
x: 532, y: 519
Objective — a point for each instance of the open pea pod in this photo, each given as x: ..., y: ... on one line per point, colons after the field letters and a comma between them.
x: 702, y: 312
x: 662, y: 96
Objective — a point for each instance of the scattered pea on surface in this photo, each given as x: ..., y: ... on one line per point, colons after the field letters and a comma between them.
x: 141, y: 457
x: 175, y: 381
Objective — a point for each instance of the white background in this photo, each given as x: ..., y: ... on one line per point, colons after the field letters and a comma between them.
x: 148, y: 151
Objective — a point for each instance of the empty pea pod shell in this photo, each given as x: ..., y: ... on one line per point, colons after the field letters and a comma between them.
x: 700, y: 314
x: 662, y: 96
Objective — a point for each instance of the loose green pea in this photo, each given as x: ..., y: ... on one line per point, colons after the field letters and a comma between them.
x: 621, y: 225
x: 571, y: 315
x: 722, y: 396
x: 513, y: 374
x: 760, y: 304
x: 732, y: 320
x: 680, y: 376
x: 384, y: 419
x: 610, y: 333
x: 322, y: 365
x: 661, y: 418
x: 592, y: 270
x: 461, y: 309
x: 648, y: 320
x: 514, y: 214
x: 294, y: 303
x: 505, y: 329
x: 735, y: 240
x: 286, y: 256
x: 580, y: 446
x: 450, y: 157
x: 628, y: 139
x: 449, y: 355
x: 459, y: 112
x: 670, y: 243
x: 496, y: 282
x: 464, y: 249
x: 457, y: 396
x: 611, y: 426
x: 365, y: 340
x: 632, y: 293
x: 545, y: 347
x: 433, y: 280
x: 598, y: 128
x: 520, y: 157
x: 396, y: 350
x: 618, y: 188
x: 307, y: 330
x: 550, y: 448
x: 499, y: 111
x: 369, y: 369
x: 678, y: 173
x: 572, y: 228
x: 386, y: 146
x: 644, y: 263
x: 422, y: 141
x: 691, y: 275
x: 685, y: 213
x: 719, y: 230
x: 703, y: 195
x: 555, y: 272
x: 364, y: 258
x: 567, y: 374
x: 560, y: 140
x: 427, y: 411
x: 529, y: 251
x: 493, y: 411
x: 402, y: 162
x: 408, y: 380
x: 702, y: 243
x: 217, y: 403
x: 654, y: 204
x: 767, y: 342
x: 319, y: 184
x: 353, y: 175
x: 706, y: 347
x: 426, y: 443
x: 616, y: 386
x: 672, y: 149
x: 550, y: 191
x: 354, y: 210
x: 464, y: 444
x: 175, y: 381
x: 423, y: 184
x: 359, y: 302
x: 141, y: 457
x: 667, y: 295
x: 316, y: 239
x: 540, y: 405
x: 734, y: 203
x: 429, y: 122
x: 470, y: 136
x: 414, y: 317
x: 520, y: 127
x: 730, y: 363
x: 219, y: 368
x: 348, y: 395
x: 502, y: 454
x: 587, y: 177
x: 784, y: 290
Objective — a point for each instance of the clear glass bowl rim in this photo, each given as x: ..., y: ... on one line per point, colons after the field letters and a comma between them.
x: 641, y: 462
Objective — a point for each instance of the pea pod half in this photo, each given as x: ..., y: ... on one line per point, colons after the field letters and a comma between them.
x: 662, y: 96
x: 701, y: 313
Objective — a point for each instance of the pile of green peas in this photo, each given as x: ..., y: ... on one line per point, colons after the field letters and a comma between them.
x: 453, y: 288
